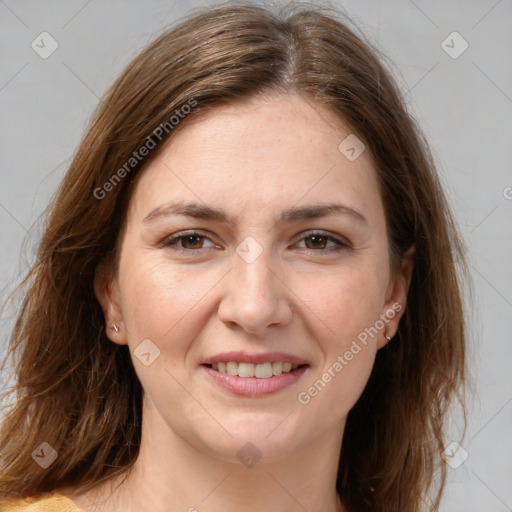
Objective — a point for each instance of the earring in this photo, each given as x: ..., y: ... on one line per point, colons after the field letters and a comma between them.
x: 388, y: 337
x: 114, y: 326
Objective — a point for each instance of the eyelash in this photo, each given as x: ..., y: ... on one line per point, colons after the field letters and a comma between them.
x: 172, y: 241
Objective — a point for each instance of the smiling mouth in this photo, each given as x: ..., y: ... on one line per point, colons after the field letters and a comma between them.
x: 260, y: 370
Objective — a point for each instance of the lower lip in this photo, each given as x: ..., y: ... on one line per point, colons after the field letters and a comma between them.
x: 252, y: 386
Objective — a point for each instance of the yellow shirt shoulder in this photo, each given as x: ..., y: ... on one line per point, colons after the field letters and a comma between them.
x: 46, y: 502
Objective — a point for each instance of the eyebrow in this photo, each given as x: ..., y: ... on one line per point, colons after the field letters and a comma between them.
x: 205, y: 212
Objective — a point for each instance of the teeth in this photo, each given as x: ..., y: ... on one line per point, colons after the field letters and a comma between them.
x: 263, y: 370
x: 232, y: 368
x: 277, y: 368
x: 246, y: 370
x: 260, y: 371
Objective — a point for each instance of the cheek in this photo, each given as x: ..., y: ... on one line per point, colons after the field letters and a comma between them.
x: 159, y: 298
x: 341, y: 382
x: 159, y: 303
x: 345, y: 301
x: 347, y: 306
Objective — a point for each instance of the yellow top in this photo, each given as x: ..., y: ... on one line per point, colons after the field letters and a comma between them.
x: 45, y: 502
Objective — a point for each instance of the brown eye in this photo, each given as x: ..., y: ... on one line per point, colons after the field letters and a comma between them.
x: 187, y: 242
x: 192, y: 242
x: 317, y: 242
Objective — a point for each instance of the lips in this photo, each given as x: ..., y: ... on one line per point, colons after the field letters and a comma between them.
x: 259, y: 384
x: 253, y: 386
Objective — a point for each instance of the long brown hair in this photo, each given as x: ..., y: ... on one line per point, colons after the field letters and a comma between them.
x: 78, y: 391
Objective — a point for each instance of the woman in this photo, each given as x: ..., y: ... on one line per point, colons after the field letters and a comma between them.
x: 246, y: 295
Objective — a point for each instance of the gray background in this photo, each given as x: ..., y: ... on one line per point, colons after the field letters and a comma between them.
x: 463, y: 104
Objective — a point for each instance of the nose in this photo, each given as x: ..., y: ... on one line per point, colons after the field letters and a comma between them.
x: 255, y: 296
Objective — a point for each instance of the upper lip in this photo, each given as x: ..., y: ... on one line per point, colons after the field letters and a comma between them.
x: 246, y: 357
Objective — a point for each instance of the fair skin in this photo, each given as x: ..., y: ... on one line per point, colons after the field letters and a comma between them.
x: 253, y: 160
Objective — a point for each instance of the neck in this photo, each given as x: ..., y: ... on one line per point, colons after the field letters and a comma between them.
x: 171, y: 473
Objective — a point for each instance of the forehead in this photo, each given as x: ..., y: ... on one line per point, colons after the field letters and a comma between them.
x: 259, y: 154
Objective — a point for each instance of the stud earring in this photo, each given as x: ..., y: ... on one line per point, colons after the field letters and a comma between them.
x: 114, y: 326
x: 388, y: 337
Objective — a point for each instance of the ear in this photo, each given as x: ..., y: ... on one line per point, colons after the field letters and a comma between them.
x: 396, y: 297
x: 106, y: 289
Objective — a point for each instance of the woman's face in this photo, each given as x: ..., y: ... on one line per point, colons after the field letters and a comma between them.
x: 260, y: 268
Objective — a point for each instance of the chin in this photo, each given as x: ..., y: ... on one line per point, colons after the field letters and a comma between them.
x: 251, y: 437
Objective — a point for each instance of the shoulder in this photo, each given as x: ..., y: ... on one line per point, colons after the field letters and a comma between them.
x: 45, y: 502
